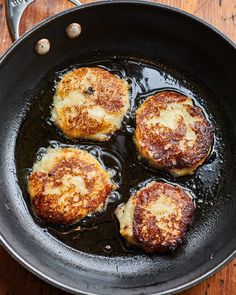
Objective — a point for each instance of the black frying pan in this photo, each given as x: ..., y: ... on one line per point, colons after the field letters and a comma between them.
x: 189, y: 55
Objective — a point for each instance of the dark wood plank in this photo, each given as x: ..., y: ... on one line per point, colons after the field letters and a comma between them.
x: 14, y: 279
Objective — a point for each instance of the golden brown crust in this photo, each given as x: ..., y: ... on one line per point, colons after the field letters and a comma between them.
x: 102, y: 101
x: 73, y: 186
x: 105, y: 89
x: 82, y: 125
x: 185, y: 145
x: 162, y: 215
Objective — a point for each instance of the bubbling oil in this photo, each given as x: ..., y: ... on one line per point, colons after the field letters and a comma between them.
x: 100, y: 234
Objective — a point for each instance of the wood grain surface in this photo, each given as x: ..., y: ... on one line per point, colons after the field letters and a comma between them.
x: 14, y: 279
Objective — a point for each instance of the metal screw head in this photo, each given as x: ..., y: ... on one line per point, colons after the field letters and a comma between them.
x: 73, y: 30
x: 42, y: 46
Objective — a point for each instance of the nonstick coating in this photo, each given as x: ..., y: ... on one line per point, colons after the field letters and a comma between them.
x: 138, y: 30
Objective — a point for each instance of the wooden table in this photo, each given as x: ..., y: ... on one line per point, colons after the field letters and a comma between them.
x: 14, y: 279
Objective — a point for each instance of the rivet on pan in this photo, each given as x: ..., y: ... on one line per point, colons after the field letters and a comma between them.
x: 107, y: 248
x: 42, y: 46
x: 73, y: 30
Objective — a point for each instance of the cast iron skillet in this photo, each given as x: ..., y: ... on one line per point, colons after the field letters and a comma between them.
x: 137, y: 30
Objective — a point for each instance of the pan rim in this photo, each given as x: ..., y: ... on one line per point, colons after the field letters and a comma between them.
x: 14, y: 253
x: 107, y: 2
x: 67, y: 288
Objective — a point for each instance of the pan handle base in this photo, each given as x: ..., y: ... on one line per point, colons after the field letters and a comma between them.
x: 14, y: 12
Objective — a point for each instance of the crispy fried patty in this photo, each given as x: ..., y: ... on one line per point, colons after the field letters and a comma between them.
x: 90, y: 103
x: 67, y: 184
x: 172, y: 133
x: 157, y: 217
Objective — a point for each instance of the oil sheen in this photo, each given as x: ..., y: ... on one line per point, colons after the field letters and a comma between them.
x: 100, y: 234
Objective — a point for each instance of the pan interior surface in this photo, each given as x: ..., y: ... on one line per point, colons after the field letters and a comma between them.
x: 100, y: 234
x: 153, y: 59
